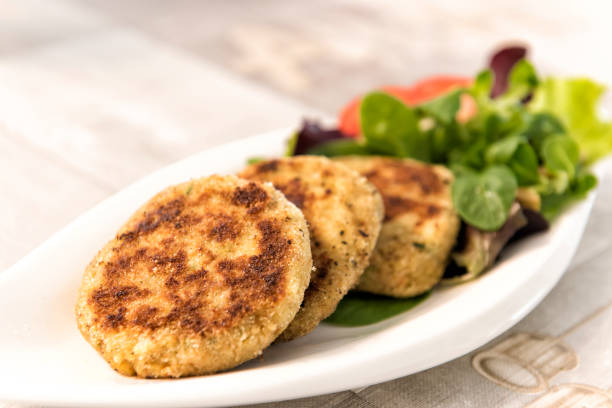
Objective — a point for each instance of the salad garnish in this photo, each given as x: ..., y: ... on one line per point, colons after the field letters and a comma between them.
x: 519, y: 145
x: 504, y: 130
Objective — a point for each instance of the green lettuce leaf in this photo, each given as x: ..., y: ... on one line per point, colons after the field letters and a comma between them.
x: 339, y: 147
x: 360, y: 309
x: 574, y: 102
x: 444, y: 108
x: 553, y: 204
x: 391, y: 128
x: 484, y: 199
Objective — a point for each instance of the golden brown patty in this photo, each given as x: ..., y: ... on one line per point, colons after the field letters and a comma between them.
x: 344, y: 214
x: 203, y: 277
x: 420, y: 225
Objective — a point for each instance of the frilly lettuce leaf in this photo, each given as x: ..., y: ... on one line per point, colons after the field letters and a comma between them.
x: 574, y: 101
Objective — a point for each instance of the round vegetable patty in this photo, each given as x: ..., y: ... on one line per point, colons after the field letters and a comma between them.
x: 201, y: 278
x: 420, y: 226
x: 344, y: 213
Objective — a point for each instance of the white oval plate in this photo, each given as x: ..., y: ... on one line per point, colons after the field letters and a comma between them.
x: 44, y: 359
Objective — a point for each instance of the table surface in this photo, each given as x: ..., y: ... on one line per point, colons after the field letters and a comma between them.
x: 96, y: 94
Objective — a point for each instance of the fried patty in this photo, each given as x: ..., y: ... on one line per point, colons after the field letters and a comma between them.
x: 420, y: 226
x: 344, y: 213
x: 201, y: 278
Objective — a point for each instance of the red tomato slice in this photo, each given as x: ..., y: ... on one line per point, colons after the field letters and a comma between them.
x: 348, y: 120
x: 422, y: 91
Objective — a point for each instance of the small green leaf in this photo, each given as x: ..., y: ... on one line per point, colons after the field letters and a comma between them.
x: 254, y: 160
x: 540, y: 126
x: 390, y: 127
x: 444, y: 138
x: 561, y: 154
x: 341, y: 147
x: 292, y: 144
x: 493, y: 125
x: 360, y: 309
x: 554, y: 183
x: 471, y: 156
x: 585, y: 182
x: 445, y: 107
x: 522, y: 80
x: 503, y: 150
x: 524, y: 165
x: 520, y: 157
x: 484, y: 199
x: 481, y: 90
x: 553, y: 204
x: 459, y: 169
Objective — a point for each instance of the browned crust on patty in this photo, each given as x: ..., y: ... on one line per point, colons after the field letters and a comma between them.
x: 250, y: 279
x: 199, y: 260
x: 406, y: 185
x: 344, y: 214
x: 420, y: 224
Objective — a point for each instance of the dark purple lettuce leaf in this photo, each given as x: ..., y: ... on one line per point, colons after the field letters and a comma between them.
x: 477, y: 250
x: 535, y: 223
x: 312, y: 134
x: 501, y: 64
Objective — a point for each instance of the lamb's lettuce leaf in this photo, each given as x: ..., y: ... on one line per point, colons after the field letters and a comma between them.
x: 484, y: 199
x: 391, y: 128
x: 445, y: 107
